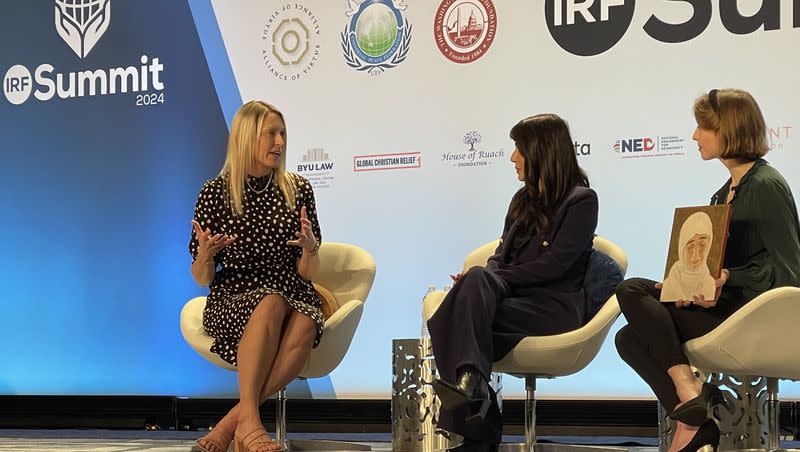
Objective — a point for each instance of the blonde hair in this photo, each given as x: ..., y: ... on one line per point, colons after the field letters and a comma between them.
x: 242, y: 145
x: 736, y: 117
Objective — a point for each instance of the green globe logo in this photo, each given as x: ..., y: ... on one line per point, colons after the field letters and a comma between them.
x: 376, y: 30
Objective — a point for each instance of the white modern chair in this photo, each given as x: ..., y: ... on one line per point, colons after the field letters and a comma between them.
x: 760, y: 339
x: 348, y: 272
x: 547, y: 356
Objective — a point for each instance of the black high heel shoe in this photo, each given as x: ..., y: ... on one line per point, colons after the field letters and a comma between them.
x: 705, y: 440
x: 471, y: 389
x: 695, y: 412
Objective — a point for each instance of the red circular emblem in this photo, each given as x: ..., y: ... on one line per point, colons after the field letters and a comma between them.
x: 464, y: 29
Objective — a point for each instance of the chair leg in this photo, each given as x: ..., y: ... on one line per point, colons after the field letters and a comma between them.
x: 303, y: 444
x: 531, y: 445
x: 773, y: 411
x: 530, y: 413
x: 280, y: 418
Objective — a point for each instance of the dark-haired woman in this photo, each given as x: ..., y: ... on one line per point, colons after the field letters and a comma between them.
x: 762, y: 252
x: 532, y: 285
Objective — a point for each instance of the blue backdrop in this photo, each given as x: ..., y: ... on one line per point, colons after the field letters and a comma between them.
x: 97, y: 195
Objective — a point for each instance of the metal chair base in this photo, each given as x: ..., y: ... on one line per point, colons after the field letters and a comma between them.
x: 547, y: 447
x: 323, y: 445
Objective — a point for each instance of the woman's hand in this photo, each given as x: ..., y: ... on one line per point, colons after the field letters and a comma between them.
x: 209, y: 245
x: 700, y: 300
x: 456, y: 277
x: 305, y: 238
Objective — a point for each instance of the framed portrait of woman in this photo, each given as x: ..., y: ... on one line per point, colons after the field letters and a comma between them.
x: 696, y: 251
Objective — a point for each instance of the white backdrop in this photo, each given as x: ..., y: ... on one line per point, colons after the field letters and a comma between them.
x: 419, y: 223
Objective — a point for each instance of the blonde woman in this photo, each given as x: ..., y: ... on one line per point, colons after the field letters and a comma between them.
x: 254, y: 242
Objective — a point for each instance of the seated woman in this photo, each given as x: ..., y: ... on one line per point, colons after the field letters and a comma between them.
x: 762, y: 252
x: 255, y: 241
x: 532, y: 285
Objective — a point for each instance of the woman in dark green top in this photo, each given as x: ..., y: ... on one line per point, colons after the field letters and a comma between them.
x: 762, y: 252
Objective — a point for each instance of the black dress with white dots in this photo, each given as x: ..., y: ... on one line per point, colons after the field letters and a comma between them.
x: 259, y: 262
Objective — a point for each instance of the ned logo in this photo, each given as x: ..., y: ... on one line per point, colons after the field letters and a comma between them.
x: 81, y: 23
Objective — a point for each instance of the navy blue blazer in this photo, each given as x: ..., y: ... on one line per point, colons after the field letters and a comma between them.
x: 553, y: 264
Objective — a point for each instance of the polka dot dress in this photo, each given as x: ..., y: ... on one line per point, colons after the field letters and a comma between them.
x: 258, y: 262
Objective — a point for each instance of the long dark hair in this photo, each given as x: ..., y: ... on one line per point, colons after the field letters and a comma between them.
x: 545, y: 143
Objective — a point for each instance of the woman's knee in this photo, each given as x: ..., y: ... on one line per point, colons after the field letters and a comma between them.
x: 273, y: 305
x: 632, y: 290
x: 303, y: 330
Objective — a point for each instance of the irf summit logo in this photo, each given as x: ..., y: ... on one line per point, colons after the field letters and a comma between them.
x: 81, y: 23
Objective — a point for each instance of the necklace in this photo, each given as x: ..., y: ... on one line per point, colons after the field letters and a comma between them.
x: 265, y: 186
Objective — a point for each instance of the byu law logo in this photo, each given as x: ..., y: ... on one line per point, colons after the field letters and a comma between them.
x: 291, y: 42
x: 81, y: 23
x: 377, y: 37
x: 464, y: 29
x: 90, y: 19
x: 588, y: 27
x: 473, y: 156
x: 660, y: 146
x: 317, y: 167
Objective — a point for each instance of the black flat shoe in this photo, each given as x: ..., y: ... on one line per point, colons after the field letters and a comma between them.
x: 705, y: 440
x: 695, y: 412
x: 471, y: 445
x: 471, y: 389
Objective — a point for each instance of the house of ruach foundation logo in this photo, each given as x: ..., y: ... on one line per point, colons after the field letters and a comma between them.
x: 464, y: 29
x: 317, y: 167
x: 81, y: 23
x: 474, y: 155
x: 291, y: 42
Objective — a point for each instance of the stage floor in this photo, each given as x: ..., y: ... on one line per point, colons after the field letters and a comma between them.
x: 25, y: 440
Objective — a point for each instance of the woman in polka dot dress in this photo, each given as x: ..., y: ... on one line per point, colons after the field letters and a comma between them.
x: 254, y: 241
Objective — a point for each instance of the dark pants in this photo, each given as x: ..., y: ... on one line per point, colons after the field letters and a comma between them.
x: 652, y: 341
x: 461, y: 334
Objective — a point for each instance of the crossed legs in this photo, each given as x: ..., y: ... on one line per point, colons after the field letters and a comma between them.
x: 274, y: 348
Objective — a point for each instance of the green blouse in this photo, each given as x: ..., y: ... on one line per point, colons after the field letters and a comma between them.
x: 763, y: 248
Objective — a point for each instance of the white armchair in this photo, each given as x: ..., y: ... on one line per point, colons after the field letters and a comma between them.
x: 760, y: 339
x: 546, y: 356
x: 348, y: 272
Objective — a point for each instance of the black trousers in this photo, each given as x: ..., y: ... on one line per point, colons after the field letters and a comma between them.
x: 652, y: 341
x: 461, y: 334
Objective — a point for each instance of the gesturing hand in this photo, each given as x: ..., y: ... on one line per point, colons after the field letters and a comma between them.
x: 305, y: 237
x: 456, y: 277
x: 209, y: 245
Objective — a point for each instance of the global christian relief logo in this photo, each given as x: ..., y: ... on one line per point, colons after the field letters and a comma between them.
x: 464, y: 29
x: 378, y: 35
x: 291, y: 42
x: 81, y: 23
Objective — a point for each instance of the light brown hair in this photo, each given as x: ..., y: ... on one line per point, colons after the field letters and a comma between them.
x: 737, y: 119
